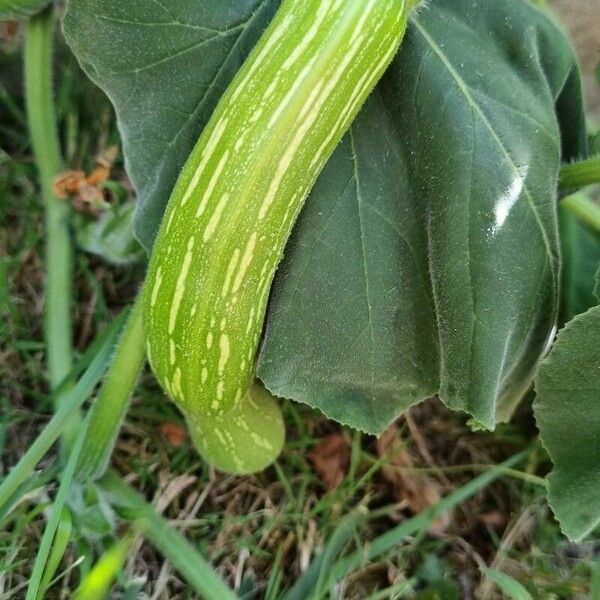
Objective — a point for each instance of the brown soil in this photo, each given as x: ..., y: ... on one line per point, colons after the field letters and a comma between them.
x: 582, y: 19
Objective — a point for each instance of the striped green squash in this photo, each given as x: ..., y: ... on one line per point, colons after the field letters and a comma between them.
x: 234, y: 205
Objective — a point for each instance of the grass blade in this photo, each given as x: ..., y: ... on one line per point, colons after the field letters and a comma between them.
x: 395, y: 591
x: 395, y: 536
x: 512, y: 588
x: 61, y: 541
x: 70, y: 402
x: 110, y: 406
x: 184, y: 557
x: 595, y: 584
x: 86, y: 359
x: 100, y: 579
x: 333, y: 549
x: 53, y: 522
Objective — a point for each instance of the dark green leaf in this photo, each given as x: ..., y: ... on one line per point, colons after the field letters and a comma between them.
x: 426, y: 259
x: 20, y: 9
x: 164, y: 66
x: 568, y: 416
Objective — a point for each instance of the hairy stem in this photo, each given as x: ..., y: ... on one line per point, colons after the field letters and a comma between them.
x: 46, y: 150
x: 577, y: 175
x: 110, y: 406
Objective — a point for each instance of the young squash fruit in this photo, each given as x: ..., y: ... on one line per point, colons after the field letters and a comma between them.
x: 233, y: 208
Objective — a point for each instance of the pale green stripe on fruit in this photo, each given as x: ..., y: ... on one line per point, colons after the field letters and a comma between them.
x: 240, y: 192
x: 247, y: 438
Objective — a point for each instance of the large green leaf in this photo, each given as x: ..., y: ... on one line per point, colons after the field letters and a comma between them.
x: 426, y: 259
x: 567, y: 411
x: 164, y: 66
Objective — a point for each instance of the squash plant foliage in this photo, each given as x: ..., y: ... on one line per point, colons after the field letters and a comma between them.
x: 20, y: 9
x: 426, y: 259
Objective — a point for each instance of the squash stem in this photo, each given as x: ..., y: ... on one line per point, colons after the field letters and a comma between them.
x: 586, y: 209
x: 46, y: 149
x: 109, y: 408
x: 577, y: 175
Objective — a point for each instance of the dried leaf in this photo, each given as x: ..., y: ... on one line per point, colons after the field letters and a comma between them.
x: 174, y: 433
x: 89, y: 199
x: 495, y: 519
x: 417, y: 490
x: 86, y: 190
x: 108, y: 157
x: 68, y: 183
x: 331, y: 459
x: 98, y: 176
x: 9, y: 34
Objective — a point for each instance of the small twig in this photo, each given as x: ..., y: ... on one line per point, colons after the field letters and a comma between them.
x: 511, y: 535
x: 422, y: 447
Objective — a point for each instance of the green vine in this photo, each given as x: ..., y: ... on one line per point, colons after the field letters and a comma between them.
x: 46, y: 150
x: 577, y: 175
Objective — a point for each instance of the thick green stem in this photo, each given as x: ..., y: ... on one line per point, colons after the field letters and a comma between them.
x: 577, y: 175
x: 44, y: 139
x: 584, y: 208
x: 111, y: 404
